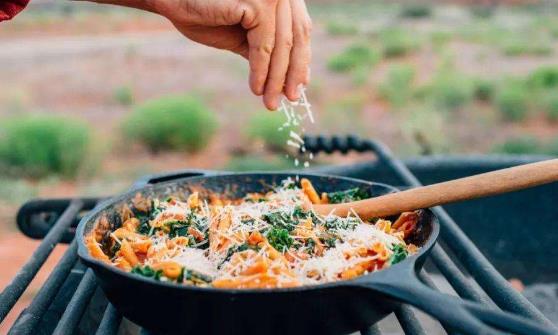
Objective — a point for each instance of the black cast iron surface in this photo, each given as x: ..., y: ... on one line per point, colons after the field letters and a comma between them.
x: 470, y: 275
x: 333, y: 308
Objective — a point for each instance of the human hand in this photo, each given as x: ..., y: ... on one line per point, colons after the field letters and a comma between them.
x: 274, y: 35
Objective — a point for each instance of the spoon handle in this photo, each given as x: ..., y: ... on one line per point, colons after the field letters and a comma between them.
x: 481, y: 185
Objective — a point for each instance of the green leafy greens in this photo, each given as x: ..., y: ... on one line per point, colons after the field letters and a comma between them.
x: 280, y: 239
x: 399, y: 254
x: 349, y: 195
x: 332, y: 223
x: 280, y: 219
x: 147, y: 271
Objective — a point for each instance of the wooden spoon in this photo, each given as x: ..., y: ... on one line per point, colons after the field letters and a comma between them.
x: 481, y: 185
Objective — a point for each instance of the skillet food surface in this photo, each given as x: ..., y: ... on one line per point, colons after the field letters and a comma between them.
x: 232, y: 239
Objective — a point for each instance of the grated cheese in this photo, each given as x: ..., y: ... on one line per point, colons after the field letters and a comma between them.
x: 295, y: 113
x: 196, y: 260
x: 247, y: 217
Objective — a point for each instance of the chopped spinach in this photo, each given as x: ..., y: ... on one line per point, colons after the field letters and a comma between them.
x: 341, y: 223
x: 279, y: 238
x: 198, y: 221
x: 248, y: 221
x: 232, y: 250
x: 203, y: 246
x: 310, y: 244
x: 115, y: 248
x: 192, y: 276
x: 300, y: 213
x: 147, y: 271
x: 180, y: 278
x: 352, y: 194
x: 399, y: 254
x: 330, y: 241
x: 144, y: 227
x: 280, y: 219
x: 144, y: 218
x: 196, y: 277
x: 177, y: 228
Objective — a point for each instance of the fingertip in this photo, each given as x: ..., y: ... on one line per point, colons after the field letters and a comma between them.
x: 292, y: 92
x: 256, y: 86
x: 271, y: 102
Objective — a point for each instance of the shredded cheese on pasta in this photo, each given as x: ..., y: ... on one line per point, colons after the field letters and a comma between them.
x: 262, y: 240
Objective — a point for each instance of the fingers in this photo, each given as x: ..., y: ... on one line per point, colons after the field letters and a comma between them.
x: 261, y: 40
x: 279, y: 53
x: 232, y: 38
x: 279, y: 63
x: 299, y: 67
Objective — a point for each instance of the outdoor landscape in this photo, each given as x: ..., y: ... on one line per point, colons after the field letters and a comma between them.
x: 92, y: 97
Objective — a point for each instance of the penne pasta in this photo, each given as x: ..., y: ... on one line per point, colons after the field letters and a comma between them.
x: 310, y: 192
x: 264, y: 240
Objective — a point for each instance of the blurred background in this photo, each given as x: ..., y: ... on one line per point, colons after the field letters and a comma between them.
x: 86, y: 92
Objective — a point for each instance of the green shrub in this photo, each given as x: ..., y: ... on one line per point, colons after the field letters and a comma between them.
x: 451, y: 90
x: 397, y: 86
x: 265, y: 126
x: 341, y: 28
x: 355, y: 56
x: 550, y: 106
x: 124, y: 95
x: 41, y: 145
x: 519, y: 145
x: 512, y: 101
x: 482, y: 12
x: 526, y: 45
x: 171, y: 123
x: 258, y: 163
x: 416, y: 11
x: 483, y: 89
x: 545, y: 77
x: 396, y: 42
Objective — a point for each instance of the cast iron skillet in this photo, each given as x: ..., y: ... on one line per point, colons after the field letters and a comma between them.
x: 333, y: 308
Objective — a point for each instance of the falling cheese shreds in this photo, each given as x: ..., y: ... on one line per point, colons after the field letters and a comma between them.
x: 296, y: 137
x: 293, y: 144
x: 296, y: 112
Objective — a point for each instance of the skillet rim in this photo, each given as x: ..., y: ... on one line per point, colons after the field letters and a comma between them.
x: 92, y: 262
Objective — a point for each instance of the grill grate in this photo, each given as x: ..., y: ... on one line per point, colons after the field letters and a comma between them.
x: 62, y: 302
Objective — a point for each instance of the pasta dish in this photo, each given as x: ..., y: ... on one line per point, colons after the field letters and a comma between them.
x: 263, y: 240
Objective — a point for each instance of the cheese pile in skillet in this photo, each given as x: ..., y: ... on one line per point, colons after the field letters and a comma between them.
x: 261, y: 241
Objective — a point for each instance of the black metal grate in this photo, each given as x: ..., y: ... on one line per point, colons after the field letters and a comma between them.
x: 62, y: 303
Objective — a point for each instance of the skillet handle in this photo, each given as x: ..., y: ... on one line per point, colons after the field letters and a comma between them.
x: 163, y: 177
x: 464, y: 316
